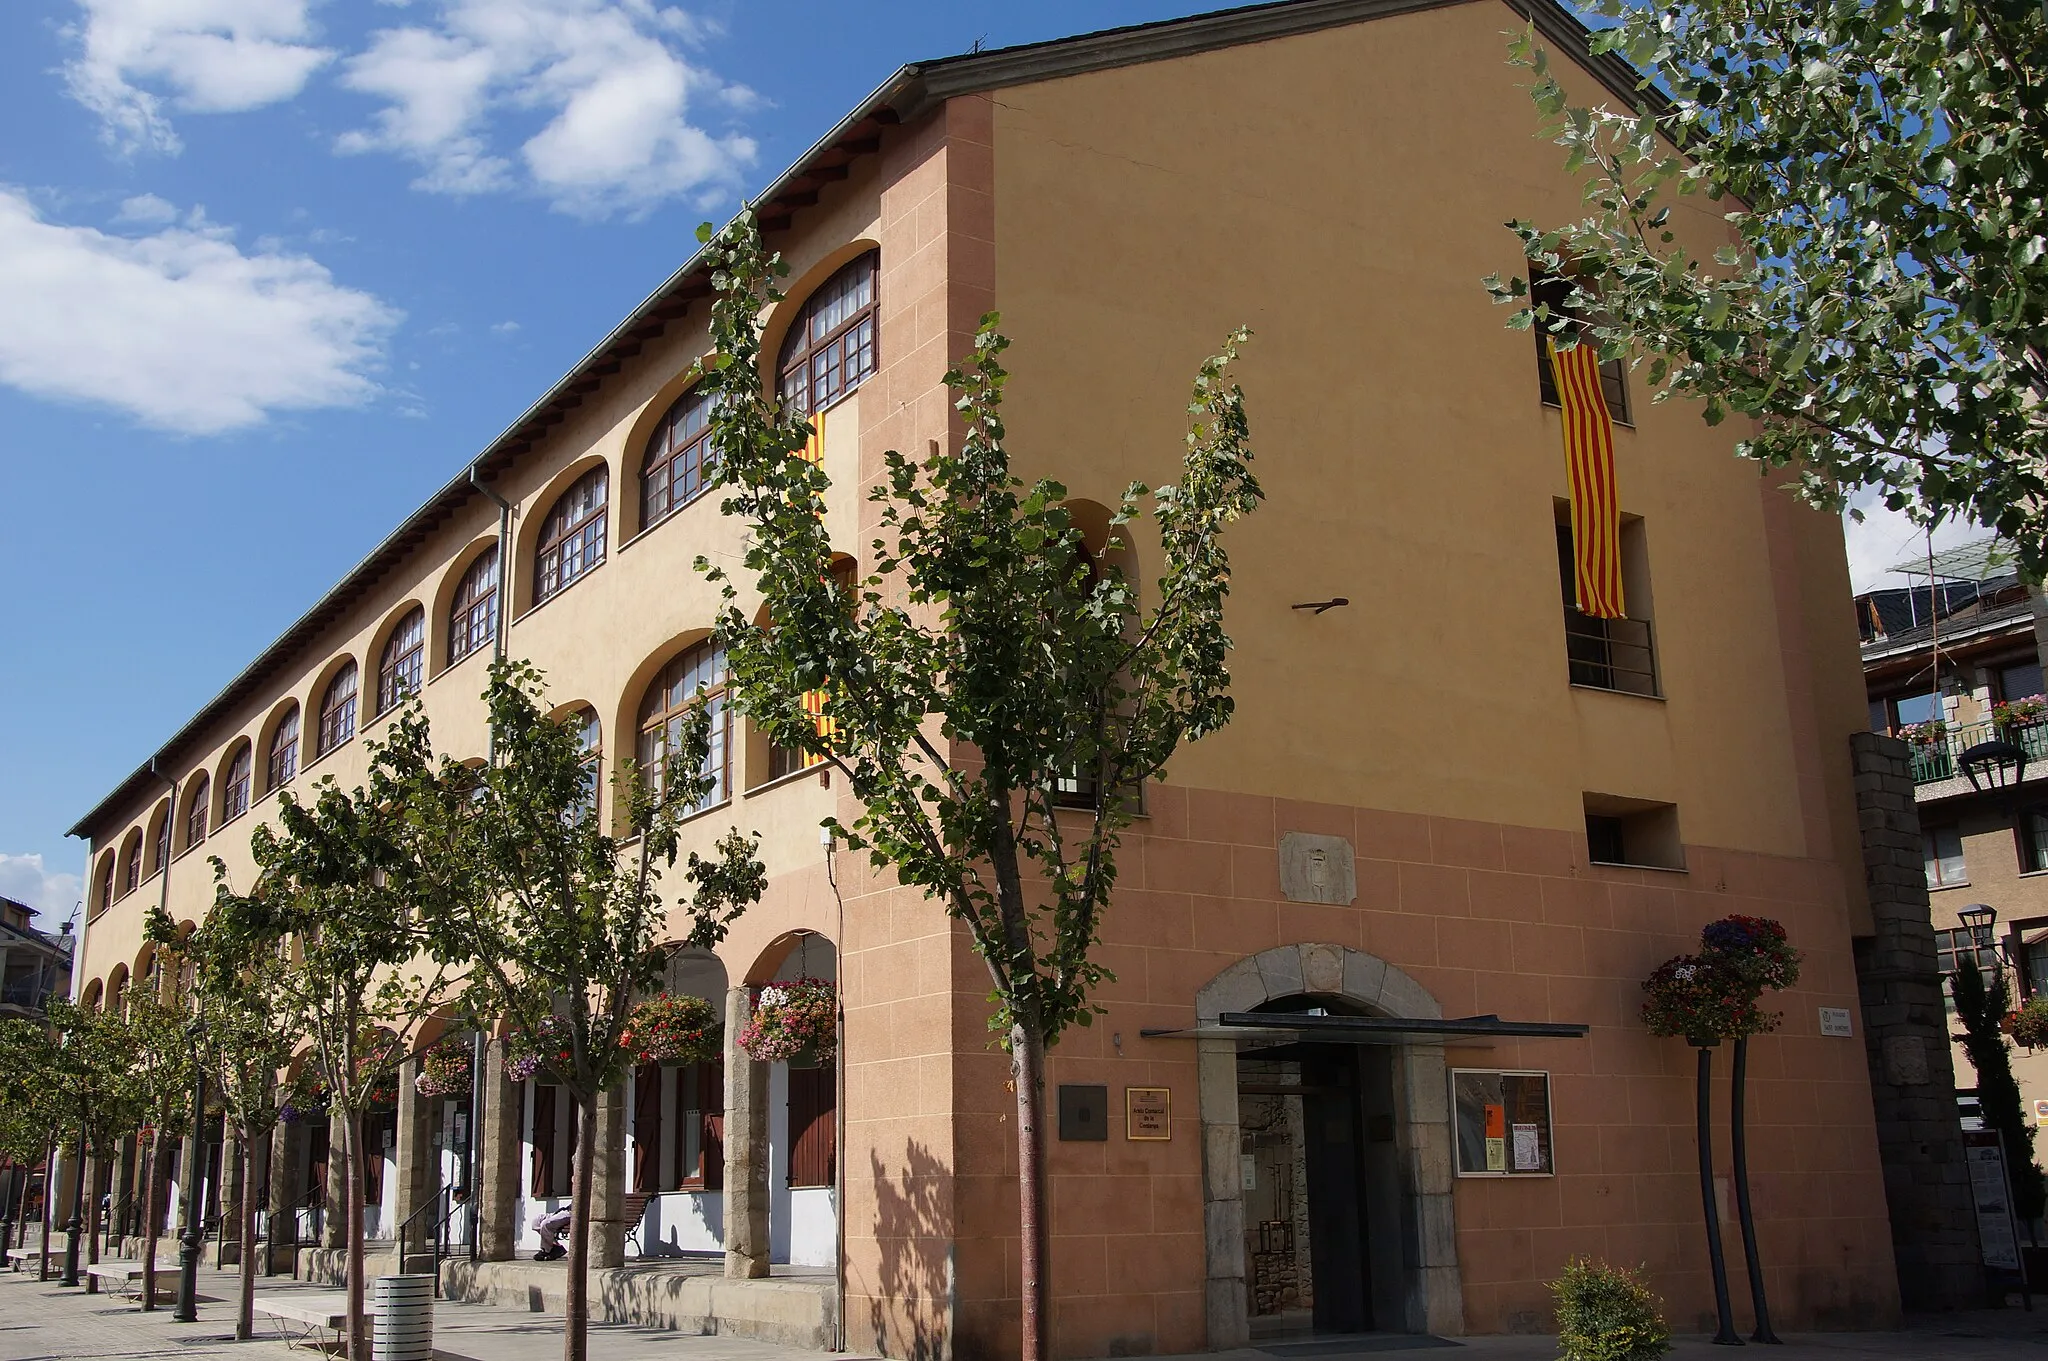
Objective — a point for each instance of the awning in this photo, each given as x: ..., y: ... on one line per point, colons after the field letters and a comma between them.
x: 1269, y: 1027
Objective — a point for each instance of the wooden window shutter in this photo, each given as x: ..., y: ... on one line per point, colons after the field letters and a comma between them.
x: 711, y: 1100
x: 811, y: 1132
x: 543, y: 1180
x: 647, y: 1128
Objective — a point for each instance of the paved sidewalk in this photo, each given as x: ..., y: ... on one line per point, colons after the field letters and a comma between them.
x: 42, y: 1321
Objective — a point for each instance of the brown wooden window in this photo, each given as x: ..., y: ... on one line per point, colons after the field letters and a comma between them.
x: 234, y: 795
x: 572, y: 539
x: 131, y: 872
x: 338, y: 710
x: 473, y: 614
x: 1555, y: 291
x: 404, y: 662
x: 284, y: 751
x: 553, y: 1150
x: 679, y: 460
x: 106, y: 883
x: 161, y: 852
x: 195, y: 815
x: 662, y: 715
x: 681, y: 1109
x: 830, y: 349
x: 813, y: 1139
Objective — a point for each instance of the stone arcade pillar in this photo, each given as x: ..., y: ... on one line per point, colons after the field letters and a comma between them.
x: 415, y: 1159
x: 498, y: 1196
x: 232, y: 1191
x: 1905, y: 1039
x: 608, y: 1184
x: 282, y: 1240
x: 1223, y: 1303
x: 746, y: 1147
x: 334, y: 1223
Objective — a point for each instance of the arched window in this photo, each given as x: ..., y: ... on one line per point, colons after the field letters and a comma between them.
x: 338, y: 709
x: 572, y: 540
x: 195, y: 814
x: 234, y: 795
x: 662, y: 712
x: 160, y: 853
x: 131, y: 871
x: 284, y: 751
x: 106, y: 882
x: 473, y: 614
x: 591, y: 734
x: 679, y: 459
x: 404, y: 661
x: 830, y: 349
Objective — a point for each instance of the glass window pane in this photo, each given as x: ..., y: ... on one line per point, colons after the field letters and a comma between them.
x: 1919, y: 708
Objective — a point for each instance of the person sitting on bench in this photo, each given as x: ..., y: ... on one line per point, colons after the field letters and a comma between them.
x: 550, y: 1225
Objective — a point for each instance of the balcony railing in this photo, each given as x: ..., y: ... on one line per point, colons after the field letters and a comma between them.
x: 1941, y: 759
x: 1611, y: 654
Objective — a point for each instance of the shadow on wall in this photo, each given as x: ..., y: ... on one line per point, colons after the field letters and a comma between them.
x: 913, y: 1233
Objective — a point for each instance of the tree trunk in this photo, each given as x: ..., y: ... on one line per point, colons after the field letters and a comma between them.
x: 576, y: 1297
x: 1739, y: 1141
x: 93, y: 1222
x: 1719, y: 1264
x: 1027, y: 1070
x: 245, y: 1314
x: 149, y: 1218
x: 352, y: 1198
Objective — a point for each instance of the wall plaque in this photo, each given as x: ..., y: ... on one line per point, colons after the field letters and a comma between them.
x: 1148, y: 1114
x: 1084, y: 1112
x: 1834, y: 1022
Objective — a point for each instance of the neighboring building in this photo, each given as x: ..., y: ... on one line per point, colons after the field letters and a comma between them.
x: 1985, y: 842
x: 1454, y: 799
x: 34, y: 965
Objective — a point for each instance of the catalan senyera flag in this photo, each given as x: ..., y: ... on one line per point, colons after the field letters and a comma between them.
x: 814, y: 705
x: 1596, y: 503
x: 814, y: 447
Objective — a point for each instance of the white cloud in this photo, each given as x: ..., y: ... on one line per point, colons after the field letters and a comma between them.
x: 146, y: 208
x: 26, y: 879
x: 1885, y: 538
x: 179, y: 327
x: 607, y: 74
x: 210, y: 56
x: 505, y: 328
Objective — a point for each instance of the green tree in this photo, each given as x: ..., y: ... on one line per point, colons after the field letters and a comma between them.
x: 1881, y: 309
x: 997, y: 693
x: 344, y: 889
x: 250, y: 1038
x: 156, y: 1017
x: 100, y: 1097
x: 29, y: 1105
x: 561, y: 925
x: 1981, y: 1005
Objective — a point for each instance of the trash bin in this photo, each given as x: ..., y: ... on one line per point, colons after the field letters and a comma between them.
x: 402, y: 1311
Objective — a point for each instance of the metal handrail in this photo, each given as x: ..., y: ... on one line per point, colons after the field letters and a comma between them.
x: 440, y: 1230
x: 1611, y: 654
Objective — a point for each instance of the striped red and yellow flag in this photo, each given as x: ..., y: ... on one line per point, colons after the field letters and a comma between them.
x: 815, y: 702
x: 814, y: 447
x: 1596, y: 503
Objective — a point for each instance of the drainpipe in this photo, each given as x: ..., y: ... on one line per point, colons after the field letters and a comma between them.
x: 502, y: 620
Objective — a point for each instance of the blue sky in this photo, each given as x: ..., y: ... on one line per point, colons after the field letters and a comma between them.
x: 272, y: 270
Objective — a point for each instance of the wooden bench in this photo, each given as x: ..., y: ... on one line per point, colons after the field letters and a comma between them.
x: 124, y: 1277
x: 634, y: 1216
x: 304, y: 1317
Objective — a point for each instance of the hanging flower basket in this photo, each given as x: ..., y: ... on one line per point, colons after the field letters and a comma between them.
x: 524, y: 1058
x: 2030, y: 1023
x: 1754, y: 947
x: 673, y: 1030
x: 1701, y: 1000
x: 1928, y: 734
x: 794, y: 1022
x: 305, y: 1098
x: 444, y: 1070
x: 2011, y: 714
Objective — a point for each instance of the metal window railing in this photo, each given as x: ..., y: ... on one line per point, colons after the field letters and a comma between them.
x: 1611, y: 654
x: 1940, y: 757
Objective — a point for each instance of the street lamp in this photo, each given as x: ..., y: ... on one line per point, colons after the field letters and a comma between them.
x: 1978, y: 916
x: 188, y: 1254
x: 76, y: 1224
x: 2001, y: 764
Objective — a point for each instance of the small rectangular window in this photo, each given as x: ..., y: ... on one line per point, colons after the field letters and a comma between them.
x: 1623, y: 831
x: 1609, y: 654
x: 1917, y: 708
x: 1554, y: 292
x: 1503, y: 1123
x: 2032, y: 830
x: 2021, y: 681
x: 1941, y: 849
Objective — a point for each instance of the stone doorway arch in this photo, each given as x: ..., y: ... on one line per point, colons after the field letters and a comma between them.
x: 1431, y: 1291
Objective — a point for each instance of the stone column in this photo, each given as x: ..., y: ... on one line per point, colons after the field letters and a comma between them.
x: 334, y: 1224
x: 191, y: 1184
x: 1422, y: 1139
x: 125, y: 1199
x: 285, y: 1198
x: 1905, y: 1040
x: 232, y: 1191
x: 608, y: 1184
x: 415, y: 1160
x: 498, y: 1197
x: 1223, y: 1293
x: 746, y: 1147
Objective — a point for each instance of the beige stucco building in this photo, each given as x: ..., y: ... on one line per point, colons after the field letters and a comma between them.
x: 1427, y: 808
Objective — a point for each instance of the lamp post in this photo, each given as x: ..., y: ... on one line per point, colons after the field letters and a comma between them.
x: 76, y: 1224
x: 188, y: 1253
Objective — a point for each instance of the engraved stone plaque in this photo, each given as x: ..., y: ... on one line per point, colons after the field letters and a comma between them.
x: 1317, y: 869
